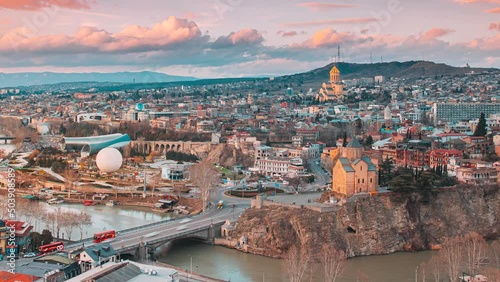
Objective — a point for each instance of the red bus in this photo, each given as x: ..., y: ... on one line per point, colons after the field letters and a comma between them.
x: 103, y: 236
x: 48, y: 248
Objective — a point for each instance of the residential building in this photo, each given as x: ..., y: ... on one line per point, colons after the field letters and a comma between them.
x: 453, y: 112
x: 441, y: 156
x: 6, y: 276
x: 128, y: 271
x: 477, y: 176
x: 22, y: 231
x: 96, y: 255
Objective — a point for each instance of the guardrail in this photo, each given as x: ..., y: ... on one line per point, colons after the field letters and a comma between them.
x: 168, y: 237
x: 135, y: 229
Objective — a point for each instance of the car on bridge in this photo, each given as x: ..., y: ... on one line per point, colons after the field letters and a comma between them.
x: 30, y: 255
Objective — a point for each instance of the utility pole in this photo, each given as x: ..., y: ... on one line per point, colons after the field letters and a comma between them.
x: 144, y: 193
x: 416, y: 274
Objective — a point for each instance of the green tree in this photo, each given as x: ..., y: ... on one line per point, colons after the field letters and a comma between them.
x: 404, y: 181
x: 369, y: 141
x: 481, y: 126
x: 385, y: 171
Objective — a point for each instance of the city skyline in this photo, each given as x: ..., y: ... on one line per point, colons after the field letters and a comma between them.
x: 225, y: 38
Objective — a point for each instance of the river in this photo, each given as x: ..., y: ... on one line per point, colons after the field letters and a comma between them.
x: 115, y: 217
x: 227, y: 264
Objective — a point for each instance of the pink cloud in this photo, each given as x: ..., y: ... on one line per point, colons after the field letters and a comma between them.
x: 486, y: 43
x: 332, y: 22
x: 477, y: 1
x: 493, y: 11
x: 289, y: 33
x: 324, y: 7
x: 39, y: 4
x: 433, y: 34
x: 329, y: 37
x: 494, y: 26
x: 247, y: 36
x: 89, y: 39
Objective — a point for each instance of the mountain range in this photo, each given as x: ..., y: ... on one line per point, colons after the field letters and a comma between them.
x: 42, y: 78
x: 409, y: 70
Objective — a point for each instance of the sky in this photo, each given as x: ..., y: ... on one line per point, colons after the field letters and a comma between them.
x: 234, y: 38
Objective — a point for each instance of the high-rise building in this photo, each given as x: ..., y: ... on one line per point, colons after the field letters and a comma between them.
x: 453, y: 112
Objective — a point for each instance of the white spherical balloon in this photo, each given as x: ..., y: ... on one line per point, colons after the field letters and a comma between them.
x: 109, y: 160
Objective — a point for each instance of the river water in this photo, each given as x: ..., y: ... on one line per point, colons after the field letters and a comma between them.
x: 227, y: 264
x: 107, y: 218
x: 230, y: 264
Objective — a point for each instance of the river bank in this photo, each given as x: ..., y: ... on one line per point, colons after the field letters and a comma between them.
x: 233, y: 265
x: 371, y: 225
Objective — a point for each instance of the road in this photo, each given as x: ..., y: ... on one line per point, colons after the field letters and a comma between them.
x: 171, y: 228
x: 322, y: 177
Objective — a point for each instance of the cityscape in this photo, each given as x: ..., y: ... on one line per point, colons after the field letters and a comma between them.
x: 249, y: 141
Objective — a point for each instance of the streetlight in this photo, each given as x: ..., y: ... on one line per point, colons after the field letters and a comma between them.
x: 416, y: 274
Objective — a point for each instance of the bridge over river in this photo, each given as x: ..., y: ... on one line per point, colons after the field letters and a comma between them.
x: 142, y: 241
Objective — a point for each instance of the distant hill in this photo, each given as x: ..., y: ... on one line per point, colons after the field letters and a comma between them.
x: 42, y: 78
x: 410, y: 69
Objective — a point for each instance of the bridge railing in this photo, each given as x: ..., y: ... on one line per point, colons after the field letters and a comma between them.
x: 126, y: 231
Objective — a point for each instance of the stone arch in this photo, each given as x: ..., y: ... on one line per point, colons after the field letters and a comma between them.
x: 167, y: 147
x: 162, y: 148
x: 178, y: 147
x: 157, y: 147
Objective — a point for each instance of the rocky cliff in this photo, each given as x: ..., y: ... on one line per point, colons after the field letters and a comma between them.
x: 379, y: 224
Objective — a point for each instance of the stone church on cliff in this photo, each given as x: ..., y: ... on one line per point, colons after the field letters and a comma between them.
x: 354, y: 172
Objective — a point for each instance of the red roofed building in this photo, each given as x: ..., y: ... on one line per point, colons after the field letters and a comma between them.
x: 22, y: 231
x: 441, y: 156
x: 6, y: 276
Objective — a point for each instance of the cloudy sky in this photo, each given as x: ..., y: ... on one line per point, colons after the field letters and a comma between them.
x: 221, y: 38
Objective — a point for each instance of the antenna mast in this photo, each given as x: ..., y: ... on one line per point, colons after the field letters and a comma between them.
x: 338, y: 54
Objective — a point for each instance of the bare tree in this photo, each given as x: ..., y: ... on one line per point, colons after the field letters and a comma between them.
x: 475, y: 252
x: 432, y: 268
x: 294, y: 182
x: 69, y: 222
x: 71, y: 176
x: 155, y: 181
x: 84, y: 220
x: 296, y: 263
x: 494, y: 254
x: 451, y: 257
x: 333, y: 263
x: 206, y: 177
x: 3, y: 154
x: 492, y: 273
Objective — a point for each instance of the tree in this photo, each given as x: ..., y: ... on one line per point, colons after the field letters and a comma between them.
x: 71, y: 176
x: 206, y: 178
x: 294, y: 182
x: 475, y: 252
x: 404, y: 181
x: 450, y: 257
x: 69, y: 222
x: 333, y: 263
x: 84, y: 220
x: 296, y: 263
x: 494, y: 254
x: 385, y: 171
x: 481, y: 126
x: 369, y: 141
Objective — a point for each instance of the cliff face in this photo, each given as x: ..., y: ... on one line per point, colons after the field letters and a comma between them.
x: 374, y: 225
